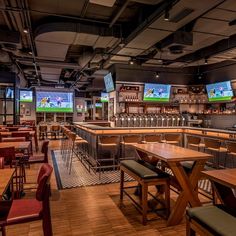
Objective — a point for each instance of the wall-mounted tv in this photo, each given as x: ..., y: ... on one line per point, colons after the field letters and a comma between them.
x: 109, y: 84
x: 104, y: 97
x: 156, y: 92
x: 219, y: 91
x: 98, y: 105
x: 26, y: 96
x: 9, y: 92
x: 48, y: 101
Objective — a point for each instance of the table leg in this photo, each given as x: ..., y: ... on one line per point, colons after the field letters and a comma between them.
x: 188, y: 194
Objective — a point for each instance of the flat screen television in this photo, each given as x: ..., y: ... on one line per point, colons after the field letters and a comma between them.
x: 219, y: 91
x: 50, y: 101
x: 26, y: 96
x: 156, y: 92
x: 9, y: 92
x: 104, y: 97
x: 109, y: 84
x: 98, y: 105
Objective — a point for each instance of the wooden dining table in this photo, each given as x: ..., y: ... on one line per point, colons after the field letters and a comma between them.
x: 19, y: 146
x: 33, y: 134
x: 223, y: 183
x: 173, y: 156
x: 6, y: 176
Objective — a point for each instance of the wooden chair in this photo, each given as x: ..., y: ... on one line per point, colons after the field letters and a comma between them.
x: 43, y: 131
x: 194, y: 141
x: 55, y: 131
x: 27, y: 210
x: 127, y: 142
x: 152, y: 138
x: 172, y: 139
x: 231, y: 151
x: 214, y: 147
x: 108, y: 144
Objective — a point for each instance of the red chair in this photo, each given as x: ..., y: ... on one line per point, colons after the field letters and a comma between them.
x: 27, y: 210
x: 9, y: 156
x: 40, y: 157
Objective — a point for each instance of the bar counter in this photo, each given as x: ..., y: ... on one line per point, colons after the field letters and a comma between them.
x: 92, y: 132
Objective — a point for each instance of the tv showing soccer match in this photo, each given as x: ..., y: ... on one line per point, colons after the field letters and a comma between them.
x: 219, y: 91
x: 48, y: 101
x: 109, y: 84
x: 104, y: 97
x: 156, y: 92
x: 26, y: 96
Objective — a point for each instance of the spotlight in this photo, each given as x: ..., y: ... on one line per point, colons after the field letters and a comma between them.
x: 167, y: 15
x: 199, y: 76
x: 157, y: 75
x: 206, y: 61
x: 30, y: 53
x: 25, y: 30
x: 131, y: 62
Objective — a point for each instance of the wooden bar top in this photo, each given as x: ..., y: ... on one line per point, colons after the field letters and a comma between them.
x: 171, y: 153
x: 5, y: 178
x: 225, y: 177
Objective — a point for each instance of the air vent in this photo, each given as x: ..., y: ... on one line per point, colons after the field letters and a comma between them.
x: 181, y: 15
x: 176, y: 49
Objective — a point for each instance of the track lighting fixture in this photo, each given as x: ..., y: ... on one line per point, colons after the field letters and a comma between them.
x: 157, y: 75
x: 167, y: 15
x: 206, y: 61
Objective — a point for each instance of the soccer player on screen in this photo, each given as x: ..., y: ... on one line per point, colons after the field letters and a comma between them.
x: 59, y: 101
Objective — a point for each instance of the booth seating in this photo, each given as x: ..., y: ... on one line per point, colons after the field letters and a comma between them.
x: 209, y: 221
x: 145, y: 177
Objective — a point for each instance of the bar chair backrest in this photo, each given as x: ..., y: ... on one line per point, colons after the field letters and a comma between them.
x: 13, y: 139
x: 9, y: 155
x: 55, y: 128
x: 172, y: 137
x: 21, y: 134
x: 193, y: 140
x: 153, y: 138
x: 132, y: 139
x: 1, y: 162
x: 231, y: 146
x: 212, y: 143
x: 109, y: 139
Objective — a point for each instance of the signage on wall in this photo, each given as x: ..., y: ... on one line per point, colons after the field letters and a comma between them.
x: 129, y: 88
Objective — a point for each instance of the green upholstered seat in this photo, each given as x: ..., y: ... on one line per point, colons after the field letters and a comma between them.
x: 140, y: 170
x: 217, y: 221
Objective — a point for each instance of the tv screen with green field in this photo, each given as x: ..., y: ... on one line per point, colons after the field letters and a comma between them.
x: 48, y: 101
x: 219, y: 92
x: 156, y: 92
x: 26, y: 96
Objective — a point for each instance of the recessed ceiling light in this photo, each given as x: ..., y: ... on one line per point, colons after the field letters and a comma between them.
x: 206, y: 61
x: 131, y: 62
x: 167, y: 15
x: 157, y: 75
x: 25, y: 30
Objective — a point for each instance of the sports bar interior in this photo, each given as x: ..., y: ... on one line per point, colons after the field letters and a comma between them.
x: 117, y: 117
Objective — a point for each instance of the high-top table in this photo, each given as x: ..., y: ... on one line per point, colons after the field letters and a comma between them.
x: 223, y: 181
x: 173, y: 156
x: 6, y: 176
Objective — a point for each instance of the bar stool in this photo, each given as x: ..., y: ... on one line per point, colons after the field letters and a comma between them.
x: 194, y: 142
x: 156, y: 138
x: 128, y: 141
x: 214, y: 146
x: 55, y: 131
x: 231, y: 151
x: 172, y: 139
x: 43, y: 131
x: 108, y: 144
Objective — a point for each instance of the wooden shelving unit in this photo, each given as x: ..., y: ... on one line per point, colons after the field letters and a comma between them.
x: 54, y: 117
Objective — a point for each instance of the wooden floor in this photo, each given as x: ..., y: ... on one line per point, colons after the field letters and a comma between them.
x: 92, y: 211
